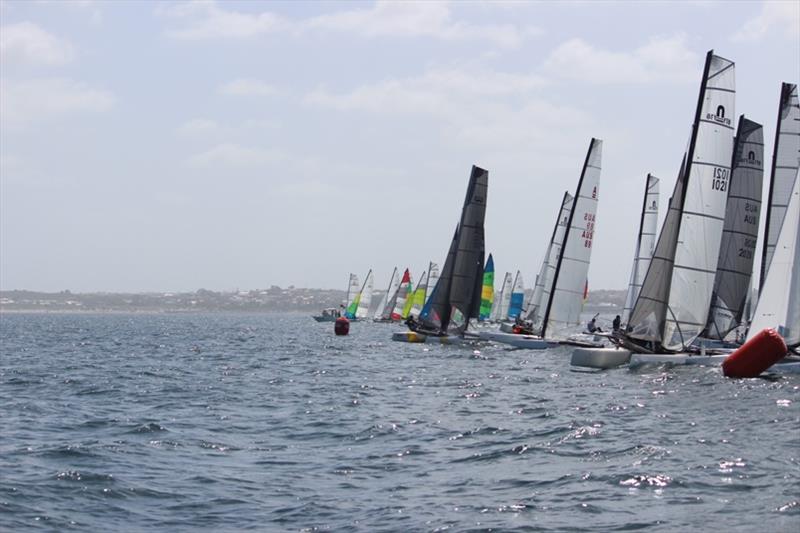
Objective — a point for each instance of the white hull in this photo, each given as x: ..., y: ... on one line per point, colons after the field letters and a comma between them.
x: 601, y: 358
x: 530, y: 342
x: 640, y: 359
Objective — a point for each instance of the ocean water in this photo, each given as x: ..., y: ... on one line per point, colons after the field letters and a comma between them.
x: 227, y: 422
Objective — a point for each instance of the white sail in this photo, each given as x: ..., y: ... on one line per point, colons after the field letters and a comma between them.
x: 353, y: 287
x: 544, y: 281
x: 703, y: 208
x: 394, y: 282
x: 785, y: 161
x: 566, y: 302
x: 433, y: 277
x: 366, y: 297
x: 645, y: 243
x: 779, y: 302
x: 502, y: 299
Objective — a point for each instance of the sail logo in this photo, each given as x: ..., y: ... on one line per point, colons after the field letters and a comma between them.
x: 751, y: 159
x: 653, y: 206
x: 719, y: 117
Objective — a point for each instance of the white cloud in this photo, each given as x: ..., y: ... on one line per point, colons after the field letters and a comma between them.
x: 248, y: 87
x: 234, y: 155
x: 27, y: 43
x: 207, y: 20
x: 198, y: 128
x: 45, y: 98
x: 661, y: 59
x: 783, y: 15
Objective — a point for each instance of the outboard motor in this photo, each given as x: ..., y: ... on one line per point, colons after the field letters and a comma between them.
x: 341, y: 326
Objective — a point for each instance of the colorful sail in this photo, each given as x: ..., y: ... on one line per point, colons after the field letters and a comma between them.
x: 418, y: 299
x: 487, y: 291
x: 353, y: 287
x: 403, y: 292
x: 365, y: 297
x: 517, y: 299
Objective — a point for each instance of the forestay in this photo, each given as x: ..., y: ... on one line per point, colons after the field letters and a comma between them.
x: 645, y: 243
x: 566, y: 302
x: 740, y: 233
x: 785, y: 162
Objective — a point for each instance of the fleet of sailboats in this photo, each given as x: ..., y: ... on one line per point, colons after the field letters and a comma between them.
x: 691, y: 283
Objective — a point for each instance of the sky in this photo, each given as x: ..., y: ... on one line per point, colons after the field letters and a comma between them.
x: 237, y: 145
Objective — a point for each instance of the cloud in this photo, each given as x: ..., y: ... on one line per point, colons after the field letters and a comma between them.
x: 248, y: 87
x: 783, y: 15
x: 661, y: 59
x: 417, y: 19
x: 234, y: 155
x: 198, y: 128
x: 27, y: 43
x: 207, y: 20
x: 46, y: 98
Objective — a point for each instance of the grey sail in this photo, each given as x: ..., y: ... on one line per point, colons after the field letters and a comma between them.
x: 785, y: 161
x: 672, y: 308
x: 645, y: 243
x: 649, y: 313
x: 740, y: 233
x: 454, y: 296
x: 465, y: 289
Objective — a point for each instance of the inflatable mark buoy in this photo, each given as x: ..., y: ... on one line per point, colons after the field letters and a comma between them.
x: 756, y: 355
x: 341, y: 326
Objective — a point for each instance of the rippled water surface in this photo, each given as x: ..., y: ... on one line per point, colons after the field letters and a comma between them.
x: 270, y: 422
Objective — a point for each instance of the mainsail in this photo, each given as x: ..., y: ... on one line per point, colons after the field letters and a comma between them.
x: 502, y: 300
x: 418, y: 300
x: 544, y: 281
x: 566, y: 300
x: 433, y: 278
x: 740, y: 233
x: 517, y: 297
x: 403, y: 293
x: 353, y: 286
x: 459, y: 286
x: 785, y: 161
x: 384, y: 310
x: 645, y: 243
x: 673, y: 303
x: 487, y: 291
x: 779, y: 303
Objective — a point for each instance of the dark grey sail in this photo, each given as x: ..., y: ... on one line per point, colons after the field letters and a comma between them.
x: 457, y: 292
x: 465, y: 288
x: 740, y: 233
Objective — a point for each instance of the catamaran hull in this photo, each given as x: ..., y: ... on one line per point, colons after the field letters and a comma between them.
x: 530, y: 342
x: 639, y: 359
x: 602, y: 358
x: 414, y: 337
x: 324, y: 318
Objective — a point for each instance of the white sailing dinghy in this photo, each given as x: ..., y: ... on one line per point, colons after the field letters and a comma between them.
x: 561, y: 309
x: 673, y: 304
x: 456, y: 298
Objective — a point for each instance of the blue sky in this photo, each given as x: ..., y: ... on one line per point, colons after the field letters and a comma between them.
x: 173, y: 146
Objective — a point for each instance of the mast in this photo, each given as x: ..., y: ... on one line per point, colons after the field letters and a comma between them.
x: 588, y: 231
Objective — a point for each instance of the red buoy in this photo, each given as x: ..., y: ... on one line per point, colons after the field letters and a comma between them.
x: 341, y: 326
x: 756, y: 355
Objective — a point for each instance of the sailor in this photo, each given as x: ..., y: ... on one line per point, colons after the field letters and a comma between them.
x: 616, y: 323
x: 592, y: 326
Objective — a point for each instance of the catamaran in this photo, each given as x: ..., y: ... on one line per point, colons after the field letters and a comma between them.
x: 456, y: 297
x: 561, y: 310
x: 359, y: 307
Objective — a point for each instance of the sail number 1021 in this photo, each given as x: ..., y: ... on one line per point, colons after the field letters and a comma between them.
x: 719, y: 181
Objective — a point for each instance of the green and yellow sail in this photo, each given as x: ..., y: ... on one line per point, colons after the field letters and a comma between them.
x: 487, y: 291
